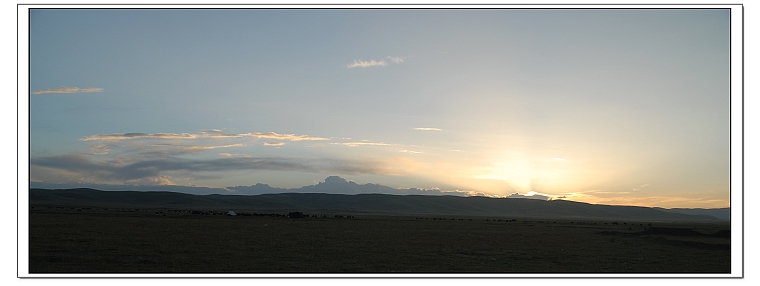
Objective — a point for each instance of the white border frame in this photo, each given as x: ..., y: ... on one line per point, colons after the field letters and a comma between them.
x: 737, y: 141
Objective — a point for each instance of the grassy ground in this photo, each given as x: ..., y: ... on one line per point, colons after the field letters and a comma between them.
x: 67, y: 240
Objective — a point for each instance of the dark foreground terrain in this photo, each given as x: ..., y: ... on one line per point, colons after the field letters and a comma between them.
x: 123, y: 240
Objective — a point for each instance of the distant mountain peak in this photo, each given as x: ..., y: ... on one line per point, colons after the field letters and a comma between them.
x: 335, y: 180
x: 529, y: 196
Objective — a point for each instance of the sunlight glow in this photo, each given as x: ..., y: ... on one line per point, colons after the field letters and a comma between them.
x: 518, y: 174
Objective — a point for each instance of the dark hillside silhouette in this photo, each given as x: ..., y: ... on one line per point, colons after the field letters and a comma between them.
x: 374, y: 203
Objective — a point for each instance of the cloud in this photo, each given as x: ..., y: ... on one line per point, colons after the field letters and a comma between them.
x: 65, y: 89
x: 100, y: 149
x: 289, y: 137
x: 196, y: 147
x: 77, y: 165
x: 641, y: 187
x: 427, y: 129
x: 127, y: 136
x: 154, y: 184
x: 354, y: 144
x: 91, y: 89
x: 395, y: 60
x: 213, y: 134
x: 410, y: 151
x: 374, y: 63
x: 366, y: 64
x: 171, y: 149
x: 234, y: 155
x: 104, y: 144
x: 151, y: 181
x: 274, y: 144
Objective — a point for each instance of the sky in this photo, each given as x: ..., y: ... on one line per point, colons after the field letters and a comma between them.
x: 622, y: 107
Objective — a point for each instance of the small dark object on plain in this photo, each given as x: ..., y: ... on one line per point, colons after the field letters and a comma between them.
x: 295, y: 215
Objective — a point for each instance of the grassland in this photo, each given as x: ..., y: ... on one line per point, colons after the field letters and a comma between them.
x: 93, y: 240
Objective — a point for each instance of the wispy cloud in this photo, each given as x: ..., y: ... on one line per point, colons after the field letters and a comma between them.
x: 289, y: 137
x: 395, y: 60
x: 203, y: 134
x: 354, y: 144
x: 641, y: 187
x: 604, y: 192
x: 234, y: 155
x: 65, y: 89
x: 427, y: 129
x: 274, y: 144
x: 172, y: 149
x: 375, y: 63
x: 366, y: 64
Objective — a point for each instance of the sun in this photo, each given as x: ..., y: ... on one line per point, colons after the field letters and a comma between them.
x: 517, y: 173
x: 524, y: 173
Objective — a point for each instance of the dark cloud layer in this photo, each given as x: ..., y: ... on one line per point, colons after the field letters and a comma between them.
x: 150, y: 168
x: 193, y: 190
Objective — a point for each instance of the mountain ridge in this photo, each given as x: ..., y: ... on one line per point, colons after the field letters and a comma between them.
x: 369, y: 203
x: 331, y: 184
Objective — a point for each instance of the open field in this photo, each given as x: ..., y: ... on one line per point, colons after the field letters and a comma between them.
x: 97, y: 240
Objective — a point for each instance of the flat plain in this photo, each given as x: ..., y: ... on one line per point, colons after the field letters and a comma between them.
x: 102, y: 240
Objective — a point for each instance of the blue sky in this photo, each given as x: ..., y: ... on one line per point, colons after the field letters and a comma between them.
x: 602, y: 106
